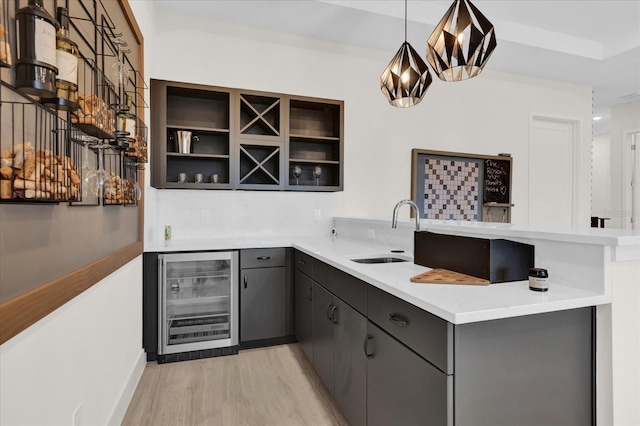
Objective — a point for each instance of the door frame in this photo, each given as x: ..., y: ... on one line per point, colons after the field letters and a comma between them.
x: 627, y: 200
x: 576, y: 153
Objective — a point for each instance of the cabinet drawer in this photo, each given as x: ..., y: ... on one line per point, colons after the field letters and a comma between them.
x: 345, y: 286
x: 262, y: 258
x: 429, y: 336
x: 304, y: 262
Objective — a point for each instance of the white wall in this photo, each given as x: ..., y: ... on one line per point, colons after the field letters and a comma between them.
x: 625, y: 119
x: 601, y: 176
x: 486, y: 115
x: 88, y: 353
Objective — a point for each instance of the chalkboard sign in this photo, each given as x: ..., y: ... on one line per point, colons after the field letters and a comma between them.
x: 497, y: 181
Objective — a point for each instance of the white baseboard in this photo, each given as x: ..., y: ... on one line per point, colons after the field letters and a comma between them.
x: 120, y: 409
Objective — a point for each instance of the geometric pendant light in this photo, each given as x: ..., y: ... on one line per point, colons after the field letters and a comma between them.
x: 406, y: 79
x: 461, y: 43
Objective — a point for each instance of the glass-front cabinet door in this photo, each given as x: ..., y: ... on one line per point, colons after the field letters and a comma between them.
x: 199, y: 301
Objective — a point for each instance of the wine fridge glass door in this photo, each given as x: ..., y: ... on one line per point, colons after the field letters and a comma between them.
x: 199, y: 309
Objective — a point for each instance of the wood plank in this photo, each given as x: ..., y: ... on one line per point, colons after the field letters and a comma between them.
x: 25, y: 310
x: 445, y: 276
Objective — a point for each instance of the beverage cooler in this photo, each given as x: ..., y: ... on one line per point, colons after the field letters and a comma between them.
x: 198, y: 305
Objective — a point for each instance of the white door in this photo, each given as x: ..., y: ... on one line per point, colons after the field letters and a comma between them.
x: 551, y: 172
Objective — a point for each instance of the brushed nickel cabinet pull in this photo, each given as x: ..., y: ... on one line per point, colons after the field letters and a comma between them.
x: 398, y: 320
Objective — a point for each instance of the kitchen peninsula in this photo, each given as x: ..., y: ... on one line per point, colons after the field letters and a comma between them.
x: 584, y: 266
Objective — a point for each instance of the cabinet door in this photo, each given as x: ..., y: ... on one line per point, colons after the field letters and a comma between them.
x: 350, y: 364
x: 303, y: 310
x: 262, y: 303
x: 402, y: 388
x: 323, y: 335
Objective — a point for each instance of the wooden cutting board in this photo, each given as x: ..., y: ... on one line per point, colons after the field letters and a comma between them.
x: 445, y: 276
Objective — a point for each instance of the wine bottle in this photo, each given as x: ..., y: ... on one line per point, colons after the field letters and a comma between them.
x: 36, y: 64
x: 67, y: 61
x: 5, y: 48
x: 127, y: 119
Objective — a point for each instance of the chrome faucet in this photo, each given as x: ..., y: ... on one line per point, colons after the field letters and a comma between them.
x: 394, y: 221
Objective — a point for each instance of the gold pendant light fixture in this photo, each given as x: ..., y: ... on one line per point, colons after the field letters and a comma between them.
x: 461, y: 43
x: 406, y: 79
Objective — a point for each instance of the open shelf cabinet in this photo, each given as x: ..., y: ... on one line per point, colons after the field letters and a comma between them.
x: 192, y: 135
x: 247, y: 139
x: 315, y: 145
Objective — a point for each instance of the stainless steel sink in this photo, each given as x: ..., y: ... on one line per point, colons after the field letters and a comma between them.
x: 379, y: 260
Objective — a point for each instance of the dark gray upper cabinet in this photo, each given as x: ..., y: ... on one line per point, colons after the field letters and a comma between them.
x: 205, y: 112
x: 315, y: 147
x: 260, y: 131
x: 246, y: 139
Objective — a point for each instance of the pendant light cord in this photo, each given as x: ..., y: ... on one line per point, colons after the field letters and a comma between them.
x: 405, y: 20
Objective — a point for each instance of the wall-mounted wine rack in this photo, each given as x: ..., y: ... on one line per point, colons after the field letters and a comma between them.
x: 110, y: 101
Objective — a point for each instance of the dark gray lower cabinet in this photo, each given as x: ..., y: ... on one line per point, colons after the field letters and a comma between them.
x: 338, y: 353
x: 403, y: 388
x: 303, y: 294
x: 350, y: 386
x: 262, y: 303
x: 324, y: 343
x: 387, y: 362
x: 526, y: 371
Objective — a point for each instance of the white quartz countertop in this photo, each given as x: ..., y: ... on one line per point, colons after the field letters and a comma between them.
x: 598, y: 236
x: 457, y: 304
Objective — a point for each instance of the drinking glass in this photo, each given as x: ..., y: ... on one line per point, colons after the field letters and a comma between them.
x: 297, y: 172
x: 119, y: 70
x: 102, y: 176
x: 90, y: 184
x: 317, y: 172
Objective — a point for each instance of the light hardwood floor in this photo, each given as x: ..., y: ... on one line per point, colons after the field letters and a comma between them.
x: 267, y: 386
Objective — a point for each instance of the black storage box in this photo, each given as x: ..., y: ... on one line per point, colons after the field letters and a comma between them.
x: 493, y: 260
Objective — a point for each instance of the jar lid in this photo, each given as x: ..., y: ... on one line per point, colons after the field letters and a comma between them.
x: 538, y: 273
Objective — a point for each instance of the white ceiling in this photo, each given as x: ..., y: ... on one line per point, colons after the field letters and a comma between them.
x: 587, y: 42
